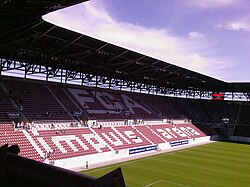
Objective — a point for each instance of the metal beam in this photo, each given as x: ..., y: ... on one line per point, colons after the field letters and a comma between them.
x: 66, y: 45
x: 113, y: 58
x: 129, y: 63
x: 144, y: 67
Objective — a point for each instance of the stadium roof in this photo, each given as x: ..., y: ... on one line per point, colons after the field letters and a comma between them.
x: 26, y: 37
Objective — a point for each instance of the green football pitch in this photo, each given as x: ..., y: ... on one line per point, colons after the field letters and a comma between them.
x: 216, y: 164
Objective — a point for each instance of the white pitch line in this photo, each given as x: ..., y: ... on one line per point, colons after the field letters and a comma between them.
x: 178, y: 184
x: 152, y: 183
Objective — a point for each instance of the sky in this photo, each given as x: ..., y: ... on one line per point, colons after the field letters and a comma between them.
x: 211, y: 37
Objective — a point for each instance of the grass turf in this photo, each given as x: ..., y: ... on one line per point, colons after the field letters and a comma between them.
x: 216, y: 164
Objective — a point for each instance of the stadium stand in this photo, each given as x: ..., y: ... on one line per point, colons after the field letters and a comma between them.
x: 75, y: 109
x: 242, y: 130
x: 67, y: 125
x: 5, y: 104
x: 37, y: 101
x: 57, y: 137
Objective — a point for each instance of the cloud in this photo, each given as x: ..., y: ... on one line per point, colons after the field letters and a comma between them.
x: 242, y: 24
x: 196, y: 35
x: 213, y: 3
x: 92, y: 19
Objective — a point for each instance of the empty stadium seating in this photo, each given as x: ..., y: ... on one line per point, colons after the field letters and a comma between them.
x: 5, y: 105
x: 68, y: 108
x: 242, y: 130
x: 73, y: 142
x: 36, y: 101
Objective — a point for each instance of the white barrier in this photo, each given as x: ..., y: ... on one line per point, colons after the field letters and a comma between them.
x: 239, y: 138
